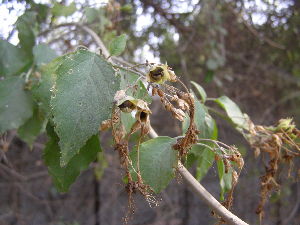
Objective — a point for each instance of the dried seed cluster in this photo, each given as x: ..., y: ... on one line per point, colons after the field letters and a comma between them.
x: 280, y: 145
x: 128, y: 104
x: 186, y: 106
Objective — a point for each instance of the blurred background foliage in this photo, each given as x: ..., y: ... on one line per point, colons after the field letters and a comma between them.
x: 248, y: 50
x: 224, y: 45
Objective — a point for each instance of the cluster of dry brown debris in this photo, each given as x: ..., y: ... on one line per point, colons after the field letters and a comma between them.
x: 281, y: 144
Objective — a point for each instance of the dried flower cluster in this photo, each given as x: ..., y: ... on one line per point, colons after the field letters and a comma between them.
x: 183, y: 104
x: 228, y: 159
x: 128, y: 104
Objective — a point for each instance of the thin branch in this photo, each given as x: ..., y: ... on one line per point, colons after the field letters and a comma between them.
x: 86, y: 29
x: 97, y: 40
x: 167, y: 16
x: 45, y: 32
x: 255, y: 32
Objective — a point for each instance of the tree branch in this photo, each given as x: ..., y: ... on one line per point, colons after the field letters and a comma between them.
x: 255, y: 32
x: 84, y: 28
x: 97, y: 39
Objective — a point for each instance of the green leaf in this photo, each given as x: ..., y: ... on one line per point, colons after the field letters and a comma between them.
x: 205, y: 155
x: 200, y: 90
x: 190, y: 160
x: 225, y: 178
x: 25, y: 26
x: 63, y: 10
x: 127, y: 8
x: 42, y: 91
x: 41, y: 10
x: 91, y: 14
x: 127, y: 120
x: 118, y: 45
x: 34, y: 126
x: 43, y: 54
x: 157, y: 162
x: 209, y: 76
x: 81, y: 99
x: 212, y: 133
x: 12, y: 59
x: 63, y: 177
x: 208, y: 128
x: 136, y: 88
x: 15, y: 104
x: 205, y: 161
x: 233, y: 112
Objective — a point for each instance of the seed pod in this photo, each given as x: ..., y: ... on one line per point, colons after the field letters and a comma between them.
x: 142, y: 106
x: 142, y: 116
x: 161, y: 73
x: 144, y: 121
x: 157, y: 74
x: 127, y: 106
